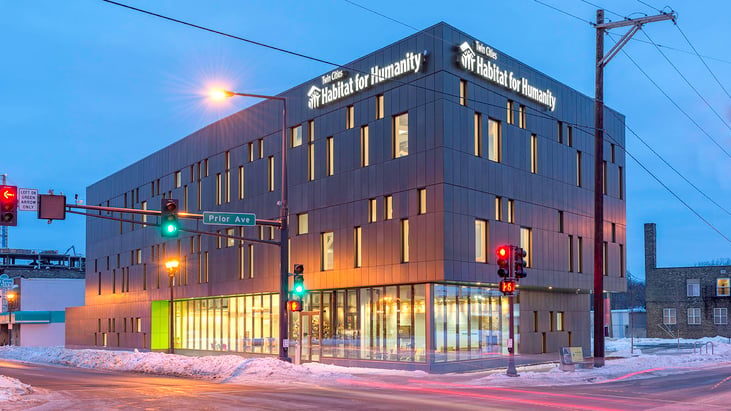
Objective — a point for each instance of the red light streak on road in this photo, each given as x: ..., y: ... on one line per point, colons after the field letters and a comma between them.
x: 722, y: 381
x: 643, y: 372
x: 550, y: 394
x: 474, y: 395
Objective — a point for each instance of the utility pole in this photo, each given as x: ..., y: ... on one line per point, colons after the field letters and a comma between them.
x: 601, y: 61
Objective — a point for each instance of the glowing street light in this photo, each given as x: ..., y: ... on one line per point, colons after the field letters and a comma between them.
x: 283, y: 217
x: 172, y: 267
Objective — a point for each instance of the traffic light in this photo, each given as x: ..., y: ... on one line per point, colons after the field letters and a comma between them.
x: 507, y: 287
x: 503, y: 261
x: 169, y: 225
x: 299, y: 280
x: 519, y: 262
x: 8, y: 205
x: 294, y: 305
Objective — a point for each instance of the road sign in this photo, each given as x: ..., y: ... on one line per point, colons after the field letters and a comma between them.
x: 27, y: 199
x: 214, y: 218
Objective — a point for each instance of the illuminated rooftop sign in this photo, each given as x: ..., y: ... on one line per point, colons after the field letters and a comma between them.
x: 477, y: 60
x: 339, y: 85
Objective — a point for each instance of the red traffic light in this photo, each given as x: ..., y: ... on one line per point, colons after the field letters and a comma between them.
x: 502, y: 251
x: 507, y: 287
x: 503, y: 263
x: 8, y: 205
x: 294, y: 305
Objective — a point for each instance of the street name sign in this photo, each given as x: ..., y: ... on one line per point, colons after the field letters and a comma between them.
x: 215, y: 218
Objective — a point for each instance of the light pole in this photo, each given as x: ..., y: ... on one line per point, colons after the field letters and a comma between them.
x: 172, y: 266
x: 12, y: 296
x: 283, y: 216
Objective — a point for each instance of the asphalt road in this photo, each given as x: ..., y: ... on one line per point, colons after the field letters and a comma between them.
x: 64, y: 388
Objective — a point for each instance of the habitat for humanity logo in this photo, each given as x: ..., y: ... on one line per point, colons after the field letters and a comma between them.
x: 346, y: 85
x: 476, y: 63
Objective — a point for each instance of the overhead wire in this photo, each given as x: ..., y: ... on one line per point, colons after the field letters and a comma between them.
x: 692, y: 120
x: 543, y: 115
x: 680, y: 73
x: 702, y: 61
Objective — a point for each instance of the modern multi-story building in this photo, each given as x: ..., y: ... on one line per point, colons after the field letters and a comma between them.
x: 689, y: 302
x: 407, y: 168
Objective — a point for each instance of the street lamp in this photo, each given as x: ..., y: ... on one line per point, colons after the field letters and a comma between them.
x: 12, y: 297
x: 172, y: 266
x: 283, y: 216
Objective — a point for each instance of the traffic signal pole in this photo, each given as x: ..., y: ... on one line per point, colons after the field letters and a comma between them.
x: 601, y: 61
x: 4, y: 230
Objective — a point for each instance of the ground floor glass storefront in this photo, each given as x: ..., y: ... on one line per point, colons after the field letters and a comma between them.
x: 388, y: 323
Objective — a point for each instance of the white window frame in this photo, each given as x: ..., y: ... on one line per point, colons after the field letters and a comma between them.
x: 694, y: 316
x: 720, y: 316
x: 693, y: 287
x: 669, y: 316
x: 723, y: 290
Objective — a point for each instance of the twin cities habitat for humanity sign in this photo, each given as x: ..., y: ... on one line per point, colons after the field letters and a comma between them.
x: 339, y: 84
x: 477, y: 60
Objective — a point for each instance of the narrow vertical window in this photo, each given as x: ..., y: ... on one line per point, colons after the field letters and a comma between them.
x: 199, y: 195
x: 422, y: 200
x: 178, y: 179
x: 205, y: 173
x: 242, y: 263
x: 480, y: 241
x: 303, y: 224
x: 620, y: 184
x: 511, y: 211
x: 611, y: 152
x: 327, y: 255
x: 227, y: 187
x: 251, y: 152
x: 621, y: 260
x: 143, y: 206
x: 494, y: 140
x: 330, y: 156
x: 604, y: 177
x: 387, y: 207
x: 570, y: 135
x: 230, y: 242
x: 349, y: 117
x: 261, y: 148
x: 533, y: 153
x: 559, y: 131
x: 185, y: 198
x: 400, y: 135
x: 560, y: 221
x: 405, y: 240
x: 311, y: 161
x: 364, y: 147
x: 580, y: 254
x: 251, y: 260
x: 498, y: 208
x: 311, y: 131
x: 521, y: 116
x: 270, y: 176
x: 295, y: 136
x: 372, y: 212
x: 614, y: 232
x: 218, y: 189
x: 605, y: 260
x: 526, y: 243
x: 241, y: 182
x: 578, y: 169
x: 511, y: 112
x: 571, y: 253
x: 357, y: 241
x: 462, y: 92
x: 379, y: 106
x: 478, y: 134
x: 205, y: 266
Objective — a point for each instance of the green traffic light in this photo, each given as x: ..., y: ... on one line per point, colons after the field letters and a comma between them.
x: 299, y: 289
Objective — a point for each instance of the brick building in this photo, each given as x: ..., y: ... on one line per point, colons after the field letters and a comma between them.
x: 691, y: 302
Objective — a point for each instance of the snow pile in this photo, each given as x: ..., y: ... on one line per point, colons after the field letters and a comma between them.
x: 12, y: 389
x: 621, y: 364
x: 628, y: 365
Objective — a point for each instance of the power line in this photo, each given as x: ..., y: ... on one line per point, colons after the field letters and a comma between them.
x: 381, y: 14
x: 604, y: 8
x: 674, y: 103
x: 591, y: 23
x: 650, y: 6
x: 579, y: 126
x: 688, y: 82
x: 702, y: 61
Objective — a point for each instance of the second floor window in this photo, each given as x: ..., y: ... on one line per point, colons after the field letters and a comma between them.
x: 327, y: 254
x: 401, y: 135
x: 722, y: 287
x: 694, y: 287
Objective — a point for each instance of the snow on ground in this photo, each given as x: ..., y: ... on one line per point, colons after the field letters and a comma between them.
x: 233, y: 369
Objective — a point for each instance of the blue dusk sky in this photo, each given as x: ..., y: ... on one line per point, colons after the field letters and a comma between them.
x: 89, y: 87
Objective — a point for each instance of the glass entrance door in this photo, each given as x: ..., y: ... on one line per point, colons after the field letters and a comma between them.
x: 311, y: 346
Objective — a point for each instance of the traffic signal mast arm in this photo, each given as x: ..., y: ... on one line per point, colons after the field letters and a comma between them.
x: 157, y: 213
